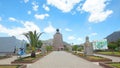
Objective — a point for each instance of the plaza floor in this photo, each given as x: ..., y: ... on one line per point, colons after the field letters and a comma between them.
x: 61, y: 59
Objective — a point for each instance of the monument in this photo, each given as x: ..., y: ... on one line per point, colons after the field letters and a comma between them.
x: 88, y: 49
x: 58, y: 41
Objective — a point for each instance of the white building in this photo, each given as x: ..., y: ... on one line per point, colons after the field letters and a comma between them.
x: 10, y: 44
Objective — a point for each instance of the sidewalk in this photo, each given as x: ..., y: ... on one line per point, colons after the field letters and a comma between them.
x: 61, y: 59
x: 8, y: 60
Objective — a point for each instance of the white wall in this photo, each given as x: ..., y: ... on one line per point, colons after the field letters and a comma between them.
x: 8, y: 44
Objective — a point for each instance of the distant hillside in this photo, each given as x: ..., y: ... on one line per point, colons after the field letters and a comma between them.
x: 50, y: 42
x: 113, y: 37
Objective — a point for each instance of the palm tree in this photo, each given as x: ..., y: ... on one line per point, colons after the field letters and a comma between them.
x: 33, y: 38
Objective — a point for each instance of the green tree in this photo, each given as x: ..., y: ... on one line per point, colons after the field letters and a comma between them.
x: 49, y: 48
x: 39, y: 44
x: 79, y: 49
x: 75, y: 47
x: 112, y: 46
x: 118, y: 44
x: 28, y: 48
x: 33, y: 38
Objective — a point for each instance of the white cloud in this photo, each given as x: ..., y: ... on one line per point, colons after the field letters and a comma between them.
x: 12, y: 19
x: 80, y: 40
x: 46, y: 7
x: 76, y: 40
x: 97, y: 11
x: 67, y: 29
x: 18, y: 31
x: 93, y: 34
x: 98, y: 17
x: 29, y: 12
x: 26, y: 1
x: 71, y: 38
x: 35, y: 6
x: 0, y: 18
x: 63, y: 5
x: 41, y: 16
x: 50, y: 29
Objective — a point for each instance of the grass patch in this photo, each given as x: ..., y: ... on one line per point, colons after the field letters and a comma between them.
x: 9, y: 66
x: 110, y: 64
x: 95, y: 57
x: 29, y: 58
x: 92, y: 58
x: 110, y: 53
x: 81, y: 54
x: 3, y: 57
x: 116, y: 65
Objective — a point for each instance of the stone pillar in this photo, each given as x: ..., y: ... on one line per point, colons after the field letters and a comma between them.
x: 58, y: 41
x: 43, y: 49
x: 88, y: 49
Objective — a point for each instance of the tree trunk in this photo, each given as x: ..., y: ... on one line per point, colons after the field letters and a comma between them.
x: 33, y: 54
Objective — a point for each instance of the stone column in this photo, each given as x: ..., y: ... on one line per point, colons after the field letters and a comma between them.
x: 88, y: 49
x: 43, y: 49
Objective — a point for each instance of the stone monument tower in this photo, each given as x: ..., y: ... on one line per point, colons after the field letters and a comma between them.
x: 88, y: 49
x: 58, y: 41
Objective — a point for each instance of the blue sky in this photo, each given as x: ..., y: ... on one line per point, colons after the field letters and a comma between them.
x: 76, y: 19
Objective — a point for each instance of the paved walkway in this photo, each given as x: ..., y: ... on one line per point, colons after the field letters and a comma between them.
x: 61, y: 59
x: 8, y: 60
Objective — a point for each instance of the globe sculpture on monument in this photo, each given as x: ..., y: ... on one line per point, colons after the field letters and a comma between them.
x: 58, y: 41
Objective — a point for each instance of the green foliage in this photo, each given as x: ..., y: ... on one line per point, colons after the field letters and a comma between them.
x: 118, y: 44
x: 39, y: 44
x: 116, y: 65
x: 112, y: 46
x: 79, y: 49
x: 33, y: 38
x: 28, y: 48
x: 49, y: 48
x: 75, y: 47
x: 110, y: 53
